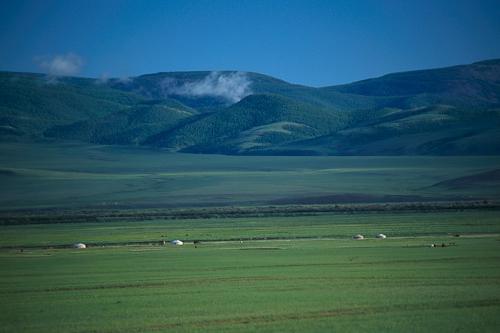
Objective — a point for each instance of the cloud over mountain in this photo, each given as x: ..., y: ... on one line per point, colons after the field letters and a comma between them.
x: 61, y: 65
x: 231, y: 86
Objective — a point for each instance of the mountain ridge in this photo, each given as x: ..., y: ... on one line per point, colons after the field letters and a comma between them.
x: 450, y: 110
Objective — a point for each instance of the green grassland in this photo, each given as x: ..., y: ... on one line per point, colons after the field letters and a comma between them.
x: 338, y: 226
x: 77, y: 175
x: 262, y: 273
x: 333, y: 283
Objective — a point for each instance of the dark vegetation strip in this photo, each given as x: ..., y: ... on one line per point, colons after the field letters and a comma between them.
x: 420, y: 281
x: 358, y: 311
x: 50, y: 216
x: 142, y: 285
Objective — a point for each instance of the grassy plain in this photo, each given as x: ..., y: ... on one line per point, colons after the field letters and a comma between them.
x: 405, y: 224
x: 314, y: 278
x: 399, y: 284
x: 75, y: 175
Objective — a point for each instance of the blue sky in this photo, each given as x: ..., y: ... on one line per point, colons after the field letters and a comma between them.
x: 309, y: 42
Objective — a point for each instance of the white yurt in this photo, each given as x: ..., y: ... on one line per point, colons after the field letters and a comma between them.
x: 177, y: 242
x: 381, y: 236
x: 358, y: 237
x: 79, y: 246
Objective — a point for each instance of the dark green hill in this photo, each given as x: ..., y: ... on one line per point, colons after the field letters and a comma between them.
x: 168, y: 85
x: 130, y: 126
x: 475, y: 85
x: 254, y: 122
x: 436, y: 130
x: 32, y: 103
x: 210, y: 91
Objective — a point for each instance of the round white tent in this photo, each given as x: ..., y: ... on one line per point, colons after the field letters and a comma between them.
x: 79, y: 246
x: 358, y: 237
x: 381, y: 236
x: 177, y: 242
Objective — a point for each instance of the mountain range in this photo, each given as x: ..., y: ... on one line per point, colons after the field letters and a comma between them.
x: 445, y: 111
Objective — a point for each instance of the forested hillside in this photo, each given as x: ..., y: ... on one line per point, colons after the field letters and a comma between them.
x: 446, y: 111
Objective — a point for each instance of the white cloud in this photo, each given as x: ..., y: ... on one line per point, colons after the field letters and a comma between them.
x: 61, y: 65
x: 232, y: 86
x: 124, y: 80
x: 103, y: 79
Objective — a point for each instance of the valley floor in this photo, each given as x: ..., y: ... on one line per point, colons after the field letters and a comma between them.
x: 75, y: 176
x: 275, y: 251
x: 394, y: 285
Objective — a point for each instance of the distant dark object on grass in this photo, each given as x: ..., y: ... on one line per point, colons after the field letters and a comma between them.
x: 443, y: 245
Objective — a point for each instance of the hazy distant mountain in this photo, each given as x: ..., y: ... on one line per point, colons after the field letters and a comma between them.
x: 454, y: 110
